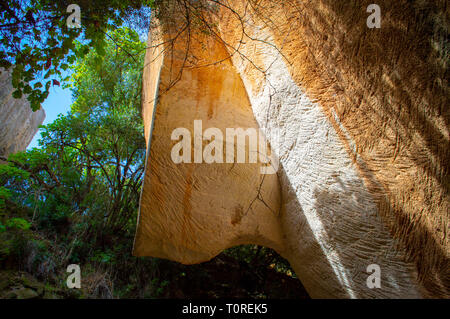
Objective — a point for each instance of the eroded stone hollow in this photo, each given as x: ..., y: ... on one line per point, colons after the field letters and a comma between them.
x: 359, y: 129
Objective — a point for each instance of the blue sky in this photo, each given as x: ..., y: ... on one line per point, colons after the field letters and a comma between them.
x: 58, y: 101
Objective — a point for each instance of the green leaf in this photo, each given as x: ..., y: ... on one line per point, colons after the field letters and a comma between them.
x: 71, y: 59
x: 18, y: 223
x: 35, y: 105
x: 17, y: 94
x: 27, y: 89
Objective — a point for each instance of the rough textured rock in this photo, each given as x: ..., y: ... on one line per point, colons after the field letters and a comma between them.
x: 360, y: 129
x: 208, y: 210
x: 26, y: 293
x: 21, y: 285
x: 19, y: 123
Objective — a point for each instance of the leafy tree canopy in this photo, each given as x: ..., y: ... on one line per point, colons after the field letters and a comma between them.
x: 90, y: 165
x: 35, y: 38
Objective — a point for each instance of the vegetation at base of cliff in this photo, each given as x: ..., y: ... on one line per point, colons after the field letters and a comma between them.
x: 75, y: 199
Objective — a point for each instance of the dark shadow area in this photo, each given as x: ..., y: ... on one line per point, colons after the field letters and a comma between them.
x: 418, y: 93
x: 394, y: 85
x: 415, y: 97
x: 247, y: 271
x: 358, y: 240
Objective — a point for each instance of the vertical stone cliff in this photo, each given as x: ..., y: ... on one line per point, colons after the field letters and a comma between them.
x: 18, y: 123
x: 359, y: 121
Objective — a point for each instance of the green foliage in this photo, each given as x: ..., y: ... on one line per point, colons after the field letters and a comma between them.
x: 35, y: 39
x: 102, y: 257
x: 4, y: 194
x: 14, y: 239
x: 75, y: 199
x: 85, y: 179
x: 81, y: 188
x: 157, y: 288
x: 13, y: 171
x: 18, y: 223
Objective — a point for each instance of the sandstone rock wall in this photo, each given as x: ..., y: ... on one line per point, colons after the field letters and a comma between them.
x: 201, y: 205
x: 359, y: 127
x: 390, y: 109
x: 18, y: 123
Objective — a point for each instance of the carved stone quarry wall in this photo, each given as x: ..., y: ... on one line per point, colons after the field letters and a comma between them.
x: 18, y: 123
x: 359, y: 127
